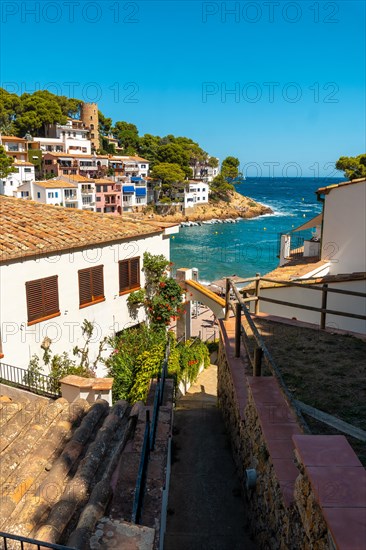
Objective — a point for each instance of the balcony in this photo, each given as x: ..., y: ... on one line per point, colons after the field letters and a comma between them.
x: 72, y: 197
x: 86, y: 190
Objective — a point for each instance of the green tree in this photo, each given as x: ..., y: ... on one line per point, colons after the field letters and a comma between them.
x: 127, y: 135
x: 213, y: 162
x: 148, y: 148
x: 220, y: 188
x: 9, y: 105
x: 230, y: 167
x: 353, y: 167
x: 6, y: 164
x: 168, y: 173
x: 36, y: 111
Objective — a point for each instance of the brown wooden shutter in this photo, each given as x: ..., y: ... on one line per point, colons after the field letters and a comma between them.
x: 134, y: 272
x: 85, y: 293
x: 34, y: 299
x: 124, y: 278
x: 50, y: 295
x: 97, y: 282
x: 42, y: 298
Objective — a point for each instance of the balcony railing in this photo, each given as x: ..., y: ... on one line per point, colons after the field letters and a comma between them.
x: 26, y: 542
x: 41, y: 384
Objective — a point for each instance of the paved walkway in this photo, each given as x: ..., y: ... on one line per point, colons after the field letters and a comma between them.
x: 205, y: 509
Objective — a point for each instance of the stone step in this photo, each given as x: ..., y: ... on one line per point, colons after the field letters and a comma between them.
x: 23, y: 483
x: 78, y: 489
x: 125, y: 475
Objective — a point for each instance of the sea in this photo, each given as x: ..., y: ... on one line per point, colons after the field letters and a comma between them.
x: 249, y: 246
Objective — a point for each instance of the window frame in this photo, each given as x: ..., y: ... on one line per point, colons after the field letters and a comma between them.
x: 95, y: 298
x: 47, y: 311
x: 131, y: 287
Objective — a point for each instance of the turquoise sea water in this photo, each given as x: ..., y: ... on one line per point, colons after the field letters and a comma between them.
x: 249, y: 246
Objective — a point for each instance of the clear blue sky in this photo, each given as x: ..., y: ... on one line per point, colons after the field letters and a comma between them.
x: 297, y: 70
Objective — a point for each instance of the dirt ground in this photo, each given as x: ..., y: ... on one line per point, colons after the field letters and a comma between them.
x: 324, y: 370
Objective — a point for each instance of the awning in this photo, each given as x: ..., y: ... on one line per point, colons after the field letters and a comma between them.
x: 135, y: 179
x: 128, y: 189
x: 311, y: 223
x: 140, y: 191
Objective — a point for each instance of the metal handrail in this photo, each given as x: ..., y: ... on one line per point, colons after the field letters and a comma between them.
x: 149, y: 439
x: 36, y: 543
x: 39, y: 383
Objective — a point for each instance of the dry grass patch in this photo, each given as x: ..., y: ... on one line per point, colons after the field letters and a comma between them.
x: 324, y: 370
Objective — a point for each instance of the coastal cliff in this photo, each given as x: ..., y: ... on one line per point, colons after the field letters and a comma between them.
x: 236, y: 206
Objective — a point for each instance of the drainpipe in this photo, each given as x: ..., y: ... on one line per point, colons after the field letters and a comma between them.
x: 321, y: 198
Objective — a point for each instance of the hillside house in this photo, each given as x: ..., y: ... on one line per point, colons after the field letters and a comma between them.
x: 338, y: 262
x: 59, y: 266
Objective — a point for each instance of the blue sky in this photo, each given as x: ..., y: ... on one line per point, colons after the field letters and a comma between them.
x: 296, y: 72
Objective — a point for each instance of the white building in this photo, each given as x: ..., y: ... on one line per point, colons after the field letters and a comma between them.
x: 340, y: 264
x: 23, y: 171
x: 73, y: 135
x: 195, y: 193
x: 23, y: 174
x: 126, y: 167
x: 59, y: 266
x: 53, y: 192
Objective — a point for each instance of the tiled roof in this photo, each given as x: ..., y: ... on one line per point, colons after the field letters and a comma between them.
x: 293, y: 269
x: 326, y: 190
x: 29, y: 228
x: 22, y: 163
x: 77, y: 178
x: 127, y: 158
x: 70, y: 155
x: 104, y: 180
x: 12, y: 138
x: 55, y: 184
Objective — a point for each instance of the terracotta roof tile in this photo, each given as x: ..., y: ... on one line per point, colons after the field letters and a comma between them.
x: 29, y: 228
x: 55, y: 184
x: 328, y: 188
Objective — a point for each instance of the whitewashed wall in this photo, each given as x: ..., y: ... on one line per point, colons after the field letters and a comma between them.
x: 344, y: 229
x: 20, y: 341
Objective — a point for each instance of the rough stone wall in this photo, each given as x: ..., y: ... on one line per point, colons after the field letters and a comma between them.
x: 311, y: 517
x: 274, y: 523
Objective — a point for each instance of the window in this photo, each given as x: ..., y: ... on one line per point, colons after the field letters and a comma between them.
x: 50, y: 194
x: 25, y: 193
x: 56, y: 194
x: 129, y: 275
x: 99, y: 209
x: 98, y: 188
x: 38, y: 195
x: 91, y: 285
x: 143, y: 165
x: 27, y: 169
x: 48, y: 161
x: 99, y: 199
x: 42, y: 299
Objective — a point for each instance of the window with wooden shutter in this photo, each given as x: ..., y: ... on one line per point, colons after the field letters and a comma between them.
x: 42, y: 299
x: 91, y: 285
x: 129, y: 275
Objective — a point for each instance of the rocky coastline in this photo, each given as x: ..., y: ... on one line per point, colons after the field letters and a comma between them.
x: 238, y: 206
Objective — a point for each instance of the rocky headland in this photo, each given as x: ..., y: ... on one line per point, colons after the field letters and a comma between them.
x: 236, y: 206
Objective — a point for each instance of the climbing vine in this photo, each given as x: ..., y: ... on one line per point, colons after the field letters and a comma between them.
x: 162, y: 295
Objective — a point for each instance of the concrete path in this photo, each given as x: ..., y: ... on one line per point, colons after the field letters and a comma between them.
x: 205, y: 509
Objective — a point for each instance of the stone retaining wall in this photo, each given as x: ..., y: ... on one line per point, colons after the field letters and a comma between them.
x: 298, y: 500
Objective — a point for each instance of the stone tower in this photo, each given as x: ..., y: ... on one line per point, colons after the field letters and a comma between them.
x: 89, y: 116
